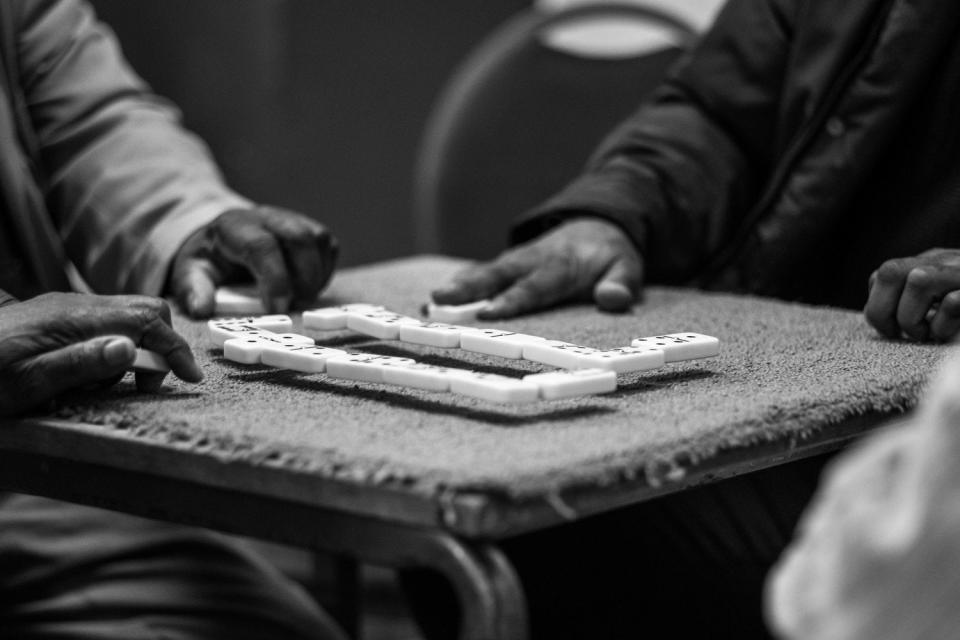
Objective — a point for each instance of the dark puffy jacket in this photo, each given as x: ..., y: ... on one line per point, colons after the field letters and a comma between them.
x: 730, y: 175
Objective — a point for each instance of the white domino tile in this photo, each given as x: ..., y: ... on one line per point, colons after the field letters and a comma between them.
x: 243, y: 300
x: 277, y: 322
x: 334, y: 318
x: 421, y: 376
x: 147, y: 360
x: 219, y: 334
x: 567, y: 384
x: 556, y: 353
x: 362, y: 366
x: 497, y: 342
x: 287, y: 338
x: 248, y: 349
x: 220, y: 329
x: 305, y: 358
x: 495, y: 388
x: 455, y: 313
x: 383, y: 325
x: 623, y: 359
x: 434, y: 334
x: 244, y: 350
x: 682, y: 346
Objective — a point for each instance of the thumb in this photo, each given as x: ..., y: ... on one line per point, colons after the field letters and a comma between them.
x: 76, y: 365
x: 620, y: 286
x: 194, y: 284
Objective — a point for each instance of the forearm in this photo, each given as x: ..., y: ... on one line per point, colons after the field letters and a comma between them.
x: 669, y: 179
x: 125, y: 182
x: 681, y: 171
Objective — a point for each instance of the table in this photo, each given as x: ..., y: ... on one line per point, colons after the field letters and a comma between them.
x: 409, y: 478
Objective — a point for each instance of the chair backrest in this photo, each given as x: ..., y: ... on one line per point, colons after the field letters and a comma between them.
x: 520, y: 116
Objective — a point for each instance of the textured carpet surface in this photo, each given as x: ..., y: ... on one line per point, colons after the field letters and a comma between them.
x: 784, y: 370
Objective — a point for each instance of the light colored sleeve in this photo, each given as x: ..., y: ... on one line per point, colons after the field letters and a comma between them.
x: 124, y: 181
x: 877, y: 555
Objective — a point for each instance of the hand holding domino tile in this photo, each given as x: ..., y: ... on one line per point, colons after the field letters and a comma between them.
x: 290, y: 256
x: 62, y: 341
x: 579, y: 258
x: 237, y: 300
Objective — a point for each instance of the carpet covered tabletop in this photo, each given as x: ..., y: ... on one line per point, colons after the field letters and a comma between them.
x: 785, y: 371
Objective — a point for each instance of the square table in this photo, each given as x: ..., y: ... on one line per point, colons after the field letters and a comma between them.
x: 411, y: 478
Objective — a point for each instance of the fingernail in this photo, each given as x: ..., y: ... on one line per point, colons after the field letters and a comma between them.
x: 118, y: 351
x: 195, y: 375
x: 613, y: 296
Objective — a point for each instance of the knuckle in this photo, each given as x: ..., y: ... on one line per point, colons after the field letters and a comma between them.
x: 919, y: 278
x: 258, y: 245
x: 950, y: 305
x: 146, y: 313
x: 880, y: 320
x: 892, y: 270
x: 525, y: 289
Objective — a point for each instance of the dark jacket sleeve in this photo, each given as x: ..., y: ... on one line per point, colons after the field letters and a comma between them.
x: 679, y: 173
x: 124, y: 181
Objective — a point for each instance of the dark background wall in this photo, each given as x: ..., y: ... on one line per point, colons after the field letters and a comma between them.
x: 316, y: 105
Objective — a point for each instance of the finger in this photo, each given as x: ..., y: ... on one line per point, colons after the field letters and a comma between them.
x: 945, y: 324
x: 148, y: 321
x: 542, y: 287
x: 76, y: 365
x: 478, y: 282
x: 194, y: 284
x: 250, y: 244
x: 306, y: 244
x: 881, y: 308
x: 305, y: 266
x: 160, y: 337
x: 924, y: 288
x: 619, y: 286
x: 942, y: 257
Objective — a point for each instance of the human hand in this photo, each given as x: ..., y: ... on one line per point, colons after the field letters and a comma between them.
x: 61, y: 341
x: 582, y: 257
x: 291, y: 257
x: 918, y: 296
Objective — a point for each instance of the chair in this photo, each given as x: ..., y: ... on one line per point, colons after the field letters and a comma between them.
x: 522, y: 113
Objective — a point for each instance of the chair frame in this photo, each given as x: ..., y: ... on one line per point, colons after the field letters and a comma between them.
x: 501, y: 43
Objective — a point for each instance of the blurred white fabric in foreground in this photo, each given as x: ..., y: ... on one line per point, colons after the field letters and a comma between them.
x: 877, y: 555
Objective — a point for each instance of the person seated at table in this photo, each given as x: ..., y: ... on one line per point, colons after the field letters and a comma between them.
x: 96, y: 170
x: 805, y: 149
x: 877, y: 552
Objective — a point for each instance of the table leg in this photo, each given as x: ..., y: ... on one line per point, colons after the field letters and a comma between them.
x: 491, y: 597
x: 492, y: 602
